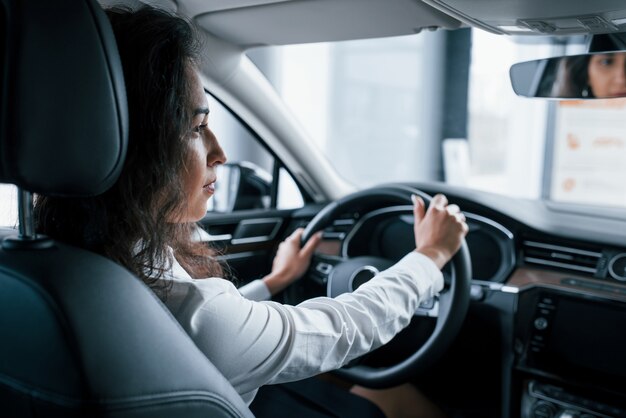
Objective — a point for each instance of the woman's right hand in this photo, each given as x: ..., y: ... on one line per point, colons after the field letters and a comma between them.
x: 439, y: 230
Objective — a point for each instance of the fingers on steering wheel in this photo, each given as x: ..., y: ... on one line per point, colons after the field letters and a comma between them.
x: 296, y: 234
x: 439, y: 201
x: 463, y: 224
x: 453, y: 209
x: 311, y: 244
x: 419, y: 208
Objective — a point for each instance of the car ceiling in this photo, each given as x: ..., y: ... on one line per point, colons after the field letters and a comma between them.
x: 251, y: 23
x: 539, y: 17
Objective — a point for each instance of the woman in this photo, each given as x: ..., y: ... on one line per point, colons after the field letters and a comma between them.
x: 607, y: 75
x: 144, y: 222
x: 601, y: 75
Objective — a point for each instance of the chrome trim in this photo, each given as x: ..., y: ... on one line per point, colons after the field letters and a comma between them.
x: 344, y: 222
x: 509, y: 289
x: 508, y: 252
x: 489, y: 222
x: 612, y: 263
x: 563, y: 265
x: 213, y: 238
x: 261, y: 238
x: 495, y: 287
x: 377, y: 212
x: 201, y: 235
x: 369, y: 268
x: 223, y: 237
x: 561, y: 248
x: 334, y: 235
x: 251, y: 240
x: 235, y: 256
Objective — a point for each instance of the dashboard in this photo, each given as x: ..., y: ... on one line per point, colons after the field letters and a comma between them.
x: 554, y: 290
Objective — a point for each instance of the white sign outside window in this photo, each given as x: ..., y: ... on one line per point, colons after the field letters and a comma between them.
x: 589, y: 165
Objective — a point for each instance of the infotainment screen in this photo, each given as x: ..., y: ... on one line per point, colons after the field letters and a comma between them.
x: 588, y: 336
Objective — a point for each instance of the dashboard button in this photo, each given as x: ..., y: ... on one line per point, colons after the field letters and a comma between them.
x: 541, y: 323
x: 323, y: 268
x: 543, y: 410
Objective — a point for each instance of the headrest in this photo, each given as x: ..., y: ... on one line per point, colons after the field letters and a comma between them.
x: 63, y: 115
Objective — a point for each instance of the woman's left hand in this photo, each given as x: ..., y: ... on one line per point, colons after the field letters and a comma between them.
x: 291, y: 261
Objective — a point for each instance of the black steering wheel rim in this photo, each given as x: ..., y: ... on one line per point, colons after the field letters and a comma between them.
x: 453, y: 304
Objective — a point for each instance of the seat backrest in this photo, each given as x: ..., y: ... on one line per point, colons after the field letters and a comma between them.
x: 82, y: 337
x: 79, y: 335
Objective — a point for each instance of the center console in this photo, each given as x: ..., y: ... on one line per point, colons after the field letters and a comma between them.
x: 544, y: 400
x: 570, y: 355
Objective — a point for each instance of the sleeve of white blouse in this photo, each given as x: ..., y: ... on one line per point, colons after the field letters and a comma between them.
x: 255, y: 290
x: 255, y: 343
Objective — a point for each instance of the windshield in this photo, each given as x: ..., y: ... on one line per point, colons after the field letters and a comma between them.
x: 439, y: 106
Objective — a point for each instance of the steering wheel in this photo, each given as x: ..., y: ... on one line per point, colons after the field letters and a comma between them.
x: 449, y: 308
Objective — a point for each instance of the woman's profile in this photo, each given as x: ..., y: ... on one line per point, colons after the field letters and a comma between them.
x: 145, y: 223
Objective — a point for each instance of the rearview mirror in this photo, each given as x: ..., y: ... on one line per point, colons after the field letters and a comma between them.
x: 587, y: 76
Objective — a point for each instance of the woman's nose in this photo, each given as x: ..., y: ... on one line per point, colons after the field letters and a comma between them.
x: 216, y: 155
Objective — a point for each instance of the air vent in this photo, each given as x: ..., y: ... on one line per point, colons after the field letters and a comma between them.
x: 561, y: 257
x: 340, y: 228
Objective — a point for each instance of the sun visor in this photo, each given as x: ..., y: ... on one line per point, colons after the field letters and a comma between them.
x: 540, y: 17
x: 291, y: 22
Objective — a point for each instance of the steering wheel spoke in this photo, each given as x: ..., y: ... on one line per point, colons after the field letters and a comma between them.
x: 448, y: 276
x: 321, y: 268
x: 429, y: 308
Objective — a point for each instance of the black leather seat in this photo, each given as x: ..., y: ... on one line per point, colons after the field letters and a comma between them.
x: 79, y: 335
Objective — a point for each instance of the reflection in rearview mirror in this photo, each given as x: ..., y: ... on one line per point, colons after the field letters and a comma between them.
x: 588, y: 76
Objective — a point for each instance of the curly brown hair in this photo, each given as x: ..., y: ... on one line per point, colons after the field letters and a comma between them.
x: 128, y: 223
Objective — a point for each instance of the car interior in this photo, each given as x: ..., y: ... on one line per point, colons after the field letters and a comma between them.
x: 532, y: 320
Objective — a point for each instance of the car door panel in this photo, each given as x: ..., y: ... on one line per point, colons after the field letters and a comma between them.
x: 246, y: 240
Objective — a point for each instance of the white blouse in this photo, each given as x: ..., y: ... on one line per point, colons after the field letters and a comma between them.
x: 256, y: 343
x: 255, y: 290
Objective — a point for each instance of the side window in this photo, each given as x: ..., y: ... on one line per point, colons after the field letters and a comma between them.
x: 8, y: 205
x: 252, y: 178
x: 248, y: 181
